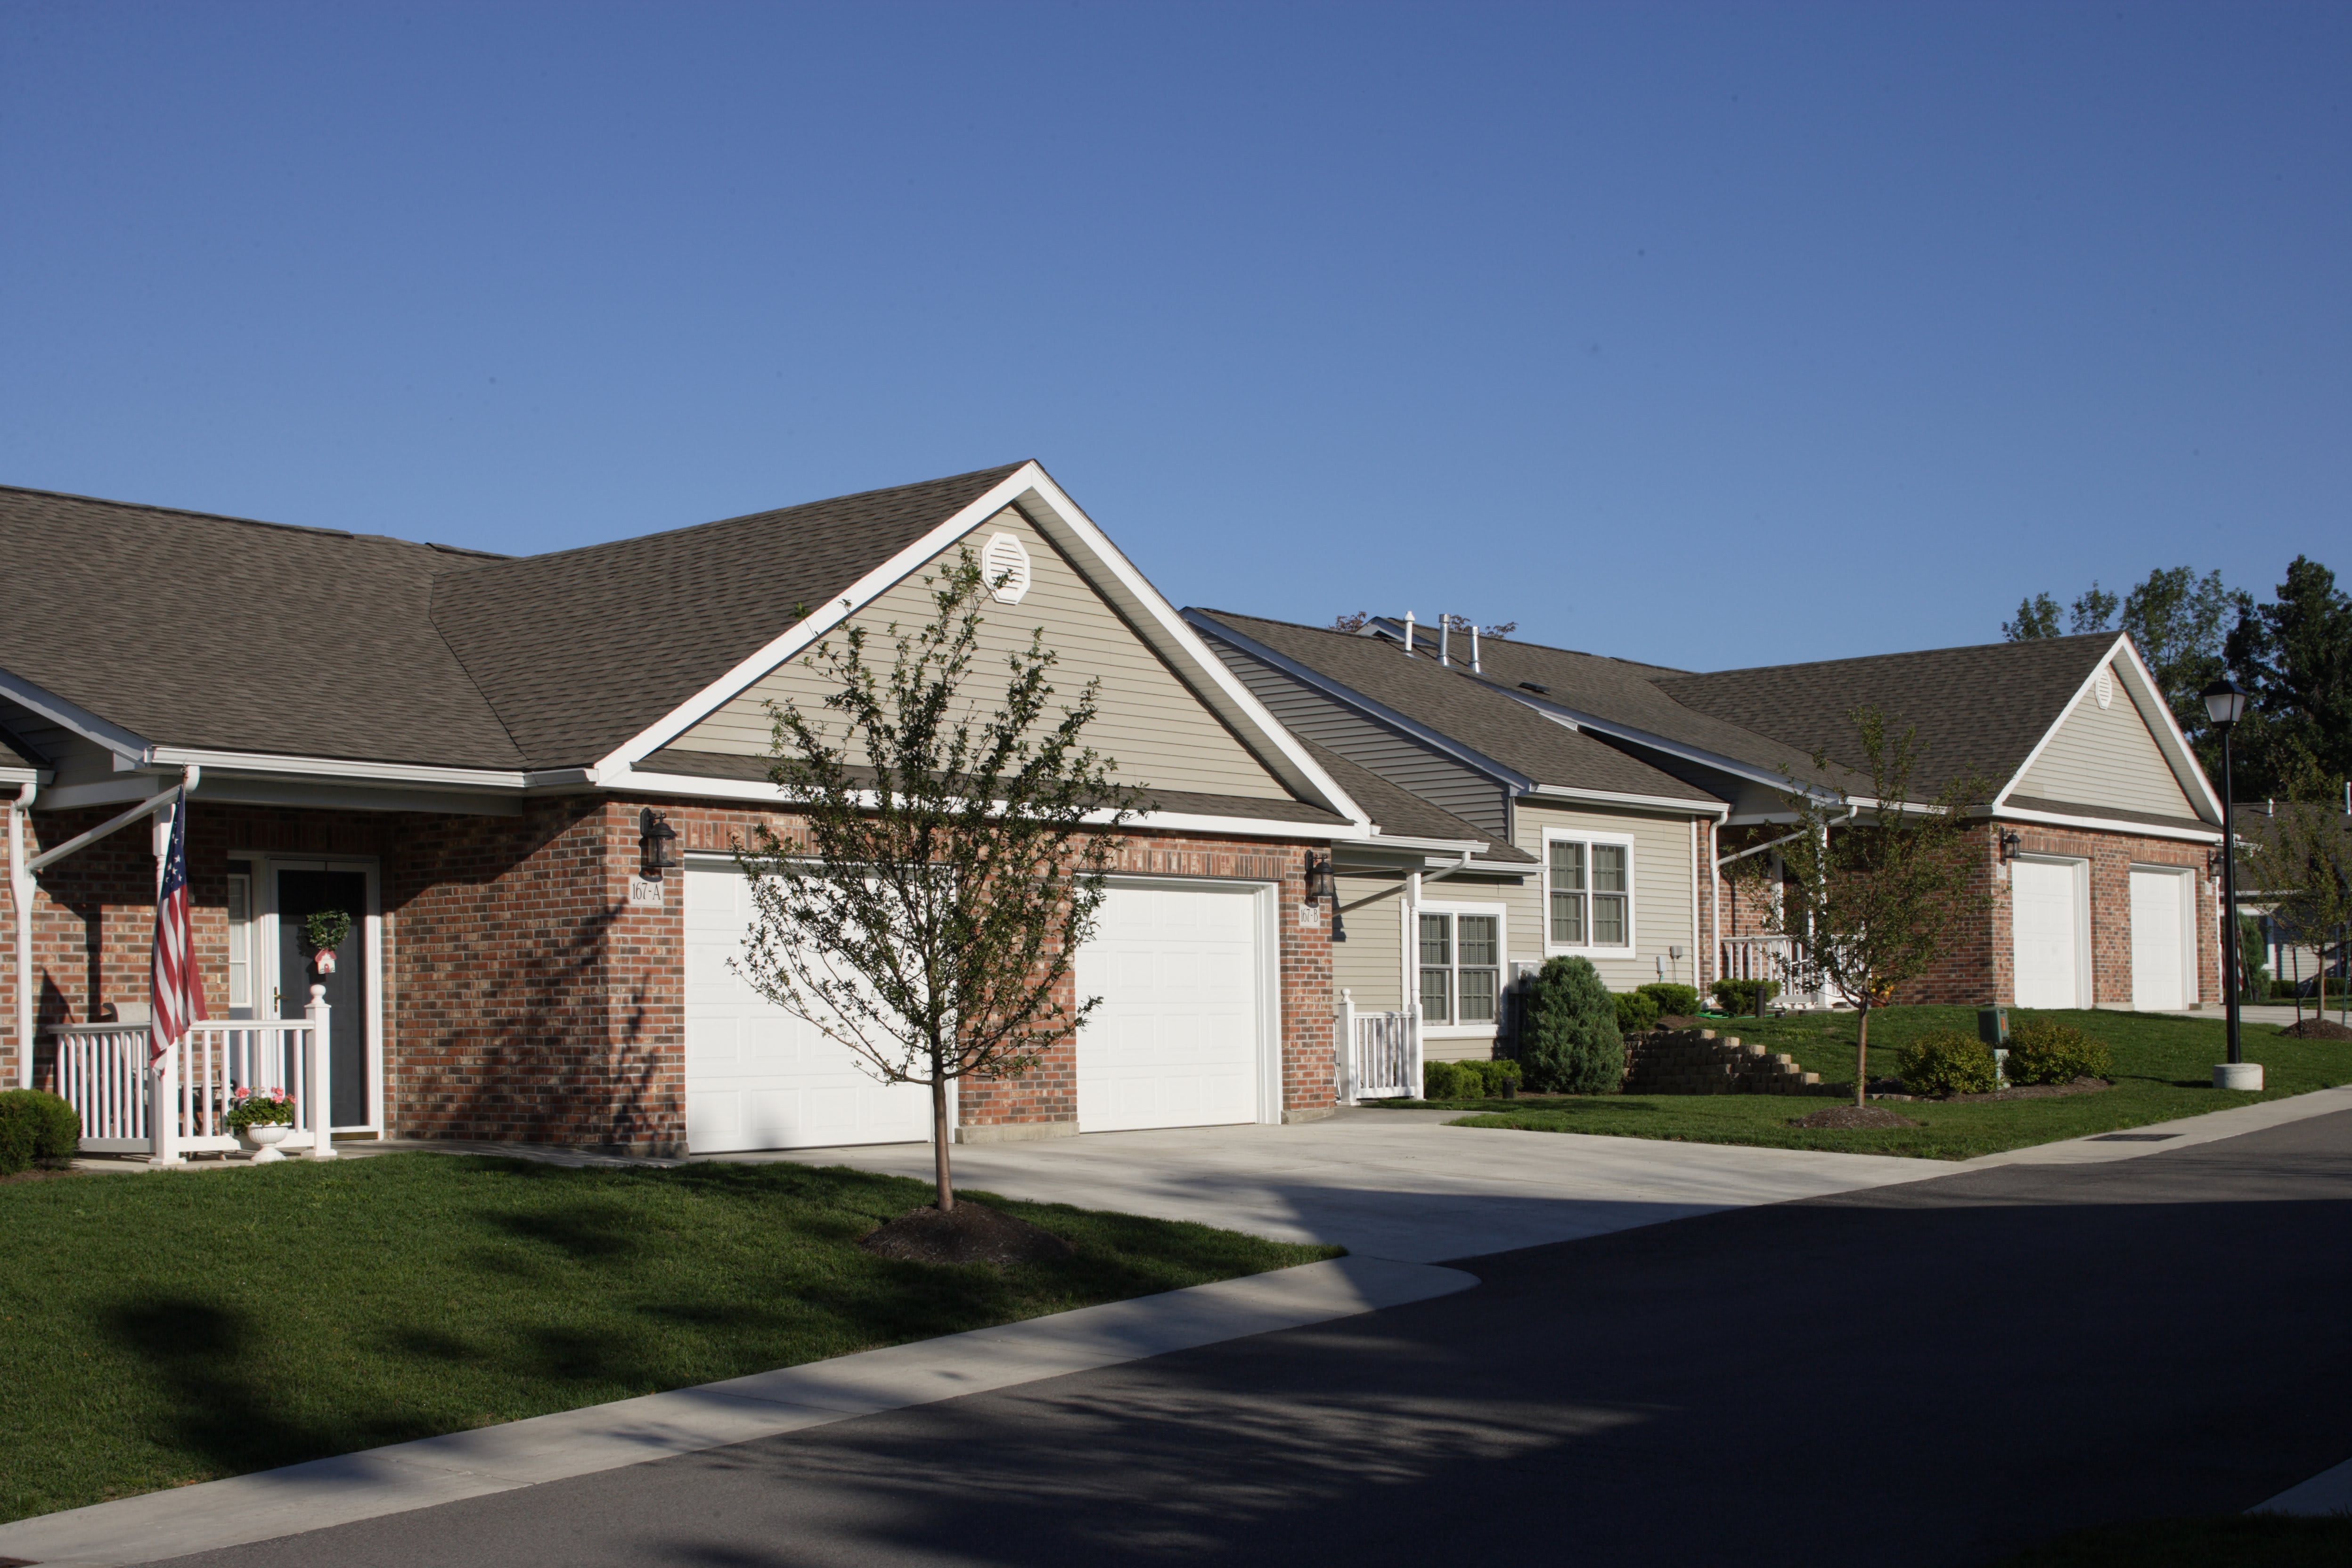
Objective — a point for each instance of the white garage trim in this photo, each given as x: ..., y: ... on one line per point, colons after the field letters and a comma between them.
x: 1265, y: 914
x: 2036, y: 869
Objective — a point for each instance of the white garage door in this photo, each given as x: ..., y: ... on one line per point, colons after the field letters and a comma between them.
x: 2159, y: 917
x: 757, y: 1077
x: 1176, y: 1042
x: 2046, y: 912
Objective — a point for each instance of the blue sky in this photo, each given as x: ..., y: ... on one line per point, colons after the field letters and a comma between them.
x: 1701, y: 334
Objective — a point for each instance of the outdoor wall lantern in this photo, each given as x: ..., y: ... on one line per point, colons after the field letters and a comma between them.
x: 1322, y: 885
x: 2225, y: 702
x: 655, y: 837
x: 2008, y: 843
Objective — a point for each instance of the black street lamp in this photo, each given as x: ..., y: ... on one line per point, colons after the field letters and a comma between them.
x: 2225, y: 702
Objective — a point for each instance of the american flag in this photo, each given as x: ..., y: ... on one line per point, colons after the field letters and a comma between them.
x: 179, y: 990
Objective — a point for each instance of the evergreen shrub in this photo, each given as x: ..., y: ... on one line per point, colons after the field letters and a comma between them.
x: 1568, y: 1040
x: 2044, y: 1050
x: 1441, y: 1080
x: 35, y: 1126
x: 1739, y: 995
x: 1948, y: 1062
x: 1681, y: 1001
x: 1635, y: 1012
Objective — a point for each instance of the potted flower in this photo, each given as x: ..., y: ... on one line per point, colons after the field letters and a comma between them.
x: 326, y: 929
x: 262, y: 1116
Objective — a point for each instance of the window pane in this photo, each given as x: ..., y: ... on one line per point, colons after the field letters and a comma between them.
x: 1436, y: 1000
x: 1567, y: 918
x: 1474, y: 943
x: 1568, y: 867
x: 1609, y: 868
x: 240, y: 943
x: 1479, y: 994
x: 1608, y: 921
x: 1437, y: 939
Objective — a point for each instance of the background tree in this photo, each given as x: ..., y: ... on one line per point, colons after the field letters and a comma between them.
x: 2294, y: 655
x: 2177, y: 620
x: 926, y: 914
x: 1867, y: 907
x: 2301, y: 854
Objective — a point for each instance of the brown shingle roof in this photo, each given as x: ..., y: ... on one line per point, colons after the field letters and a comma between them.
x: 1399, y: 813
x: 582, y: 649
x: 1451, y: 702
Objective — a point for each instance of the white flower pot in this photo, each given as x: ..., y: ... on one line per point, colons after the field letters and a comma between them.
x: 263, y: 1138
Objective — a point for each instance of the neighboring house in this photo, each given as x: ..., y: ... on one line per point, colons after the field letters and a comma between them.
x: 2098, y: 826
x: 461, y: 750
x: 1590, y: 850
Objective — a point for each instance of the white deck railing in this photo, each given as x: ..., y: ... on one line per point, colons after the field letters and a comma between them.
x: 180, y: 1104
x: 1768, y: 957
x: 1379, y: 1054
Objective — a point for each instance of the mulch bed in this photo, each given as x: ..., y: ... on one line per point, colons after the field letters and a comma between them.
x: 2015, y: 1091
x: 38, y: 1173
x: 2316, y: 1029
x: 1850, y: 1116
x: 969, y: 1233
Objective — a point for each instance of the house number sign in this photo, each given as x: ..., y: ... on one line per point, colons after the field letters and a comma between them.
x: 644, y: 893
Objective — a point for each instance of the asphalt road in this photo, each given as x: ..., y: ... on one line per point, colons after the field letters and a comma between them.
x: 1934, y: 1372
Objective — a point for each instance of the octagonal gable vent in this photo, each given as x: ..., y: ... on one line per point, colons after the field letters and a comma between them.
x: 1004, y: 559
x: 2103, y: 686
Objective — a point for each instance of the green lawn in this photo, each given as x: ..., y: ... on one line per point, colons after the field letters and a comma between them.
x: 2164, y: 1069
x: 158, y: 1329
x: 2241, y: 1540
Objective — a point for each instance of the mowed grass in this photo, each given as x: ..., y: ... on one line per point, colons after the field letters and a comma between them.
x: 2239, y: 1541
x: 162, y: 1328
x: 2164, y: 1069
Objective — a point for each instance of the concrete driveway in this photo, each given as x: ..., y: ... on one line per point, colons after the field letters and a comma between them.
x: 1391, y: 1183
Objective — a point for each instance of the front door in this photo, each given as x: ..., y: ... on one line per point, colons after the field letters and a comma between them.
x: 301, y: 895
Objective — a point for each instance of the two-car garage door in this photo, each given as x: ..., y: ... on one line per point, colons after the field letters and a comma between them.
x: 1179, y: 1040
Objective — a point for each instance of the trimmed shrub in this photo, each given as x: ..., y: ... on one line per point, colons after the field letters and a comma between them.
x: 1682, y: 1001
x: 1485, y: 1081
x: 1441, y: 1080
x: 35, y: 1126
x: 1635, y: 1012
x: 1568, y: 1040
x: 1741, y: 995
x: 2044, y: 1050
x: 1948, y: 1062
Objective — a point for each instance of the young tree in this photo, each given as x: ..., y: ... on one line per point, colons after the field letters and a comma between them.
x: 927, y: 911
x: 1867, y: 907
x: 2303, y: 853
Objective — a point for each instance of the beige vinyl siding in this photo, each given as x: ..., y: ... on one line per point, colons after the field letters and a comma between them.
x: 1443, y: 781
x: 1149, y: 723
x: 75, y: 758
x: 1369, y: 965
x: 2106, y: 756
x: 1662, y: 891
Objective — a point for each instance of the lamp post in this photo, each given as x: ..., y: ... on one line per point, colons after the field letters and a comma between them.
x: 2225, y: 703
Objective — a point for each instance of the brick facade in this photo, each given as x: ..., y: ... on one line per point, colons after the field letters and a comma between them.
x: 1978, y: 967
x: 526, y: 1000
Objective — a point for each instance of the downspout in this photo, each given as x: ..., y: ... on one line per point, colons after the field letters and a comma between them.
x: 20, y: 894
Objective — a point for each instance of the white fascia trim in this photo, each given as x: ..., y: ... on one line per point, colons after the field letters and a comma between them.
x: 80, y: 721
x: 1180, y: 637
x: 804, y: 634
x: 21, y: 776
x: 1453, y: 846
x: 1719, y: 810
x: 2109, y: 825
x: 753, y: 792
x: 342, y: 768
x: 1307, y: 676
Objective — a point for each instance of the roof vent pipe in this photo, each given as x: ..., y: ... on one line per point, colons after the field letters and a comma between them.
x: 1408, y: 634
x: 1444, y: 630
x: 1474, y: 649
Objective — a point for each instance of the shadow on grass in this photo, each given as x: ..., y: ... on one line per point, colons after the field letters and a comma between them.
x: 198, y: 1353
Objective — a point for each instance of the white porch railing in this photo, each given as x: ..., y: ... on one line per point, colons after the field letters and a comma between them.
x: 180, y: 1105
x: 1768, y: 957
x: 1379, y: 1054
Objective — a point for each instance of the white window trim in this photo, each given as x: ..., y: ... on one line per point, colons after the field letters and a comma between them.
x: 1588, y: 948
x: 1501, y: 915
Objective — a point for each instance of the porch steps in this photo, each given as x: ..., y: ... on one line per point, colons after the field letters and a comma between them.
x: 1699, y: 1061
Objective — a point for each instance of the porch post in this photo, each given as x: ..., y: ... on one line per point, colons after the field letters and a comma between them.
x: 1345, y: 1059
x: 20, y: 894
x: 316, y: 1083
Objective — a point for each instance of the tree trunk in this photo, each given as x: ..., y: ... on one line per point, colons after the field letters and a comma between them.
x: 940, y: 1140
x: 1862, y: 1057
